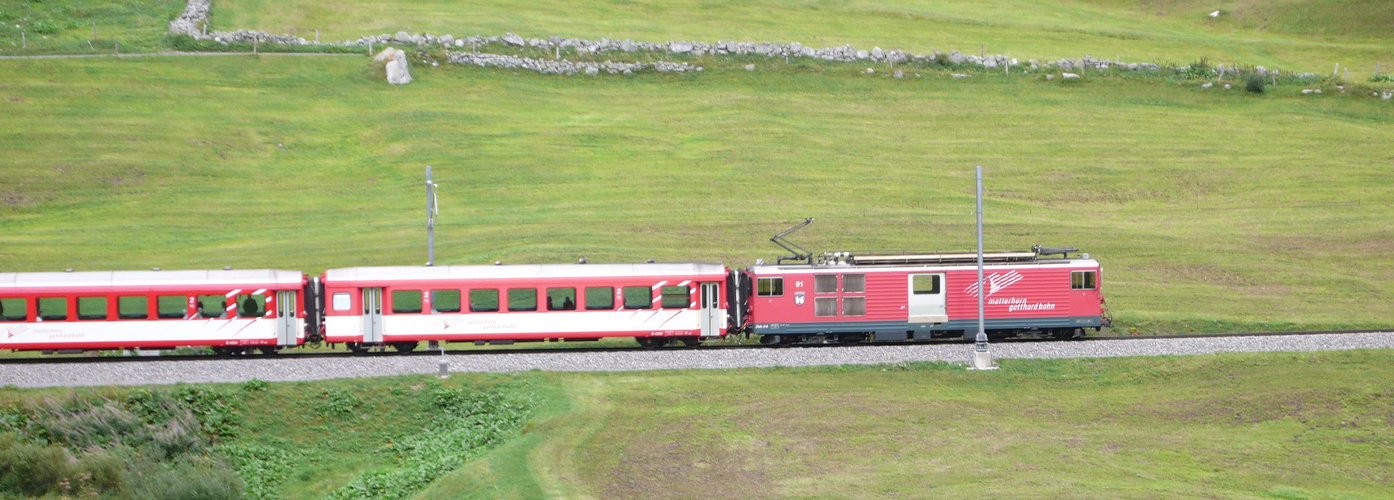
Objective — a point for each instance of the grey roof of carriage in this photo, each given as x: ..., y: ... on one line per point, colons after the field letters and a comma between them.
x: 523, y: 271
x: 150, y: 278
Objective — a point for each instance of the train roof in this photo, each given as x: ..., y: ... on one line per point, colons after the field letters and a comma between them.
x: 523, y: 271
x: 150, y: 278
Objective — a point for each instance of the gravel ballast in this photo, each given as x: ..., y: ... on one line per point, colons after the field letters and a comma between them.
x: 310, y: 368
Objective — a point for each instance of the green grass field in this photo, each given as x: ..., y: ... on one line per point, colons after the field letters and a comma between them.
x: 1215, y: 426
x: 1205, y: 207
x: 1289, y: 34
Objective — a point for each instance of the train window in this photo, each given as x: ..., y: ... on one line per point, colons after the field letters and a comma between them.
x: 14, y: 309
x: 53, y: 308
x: 132, y: 307
x: 561, y: 299
x: 677, y: 297
x: 853, y: 283
x: 171, y: 306
x: 925, y: 284
x: 1083, y: 280
x: 406, y: 301
x: 342, y: 301
x: 212, y: 306
x: 251, y: 306
x: 825, y: 283
x: 638, y: 297
x: 769, y: 287
x: 445, y: 301
x: 91, y: 308
x: 600, y: 298
x: 484, y: 300
x: 522, y: 299
x: 825, y: 306
x: 854, y: 306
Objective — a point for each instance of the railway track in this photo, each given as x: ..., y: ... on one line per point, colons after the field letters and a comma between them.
x: 85, y: 359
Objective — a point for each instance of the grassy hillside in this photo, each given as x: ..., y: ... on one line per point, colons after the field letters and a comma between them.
x: 1213, y: 426
x: 1288, y: 34
x: 66, y: 26
x: 1264, y: 211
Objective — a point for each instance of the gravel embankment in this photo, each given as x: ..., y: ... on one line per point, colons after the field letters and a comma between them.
x: 271, y: 369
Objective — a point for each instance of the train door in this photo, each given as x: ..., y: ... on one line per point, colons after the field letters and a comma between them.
x: 285, y: 318
x: 710, y: 309
x: 927, y: 299
x: 372, y: 315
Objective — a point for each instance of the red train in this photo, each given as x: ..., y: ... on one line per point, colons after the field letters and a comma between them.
x: 839, y: 297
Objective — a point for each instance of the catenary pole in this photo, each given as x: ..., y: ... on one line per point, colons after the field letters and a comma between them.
x: 982, y: 332
x: 430, y: 219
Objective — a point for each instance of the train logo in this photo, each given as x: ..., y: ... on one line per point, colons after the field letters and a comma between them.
x: 995, y: 283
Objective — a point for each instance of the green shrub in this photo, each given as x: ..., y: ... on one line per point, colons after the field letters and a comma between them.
x: 45, y: 26
x: 336, y: 403
x: 191, y: 477
x: 29, y: 469
x: 255, y: 385
x: 1254, y: 83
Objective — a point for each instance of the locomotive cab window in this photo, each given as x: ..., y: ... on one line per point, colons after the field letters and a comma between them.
x: 445, y: 301
x: 854, y: 283
x: 171, y: 306
x: 600, y: 298
x: 638, y: 297
x: 14, y: 309
x: 769, y: 287
x: 925, y: 284
x: 53, y: 309
x: 676, y: 297
x: 132, y: 307
x: 484, y: 300
x: 91, y: 308
x: 251, y: 306
x: 1083, y: 280
x: 406, y: 301
x: 522, y: 299
x: 561, y: 299
x: 825, y: 283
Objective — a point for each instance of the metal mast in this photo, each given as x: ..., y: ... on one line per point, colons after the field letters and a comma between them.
x: 431, y: 211
x: 982, y: 332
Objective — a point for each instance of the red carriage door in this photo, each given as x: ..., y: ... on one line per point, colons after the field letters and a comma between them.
x: 927, y: 299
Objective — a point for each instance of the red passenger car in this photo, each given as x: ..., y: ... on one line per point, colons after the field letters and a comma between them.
x: 848, y: 297
x: 231, y: 310
x: 401, y: 306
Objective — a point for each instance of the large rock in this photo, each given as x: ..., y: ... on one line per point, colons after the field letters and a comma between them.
x: 680, y: 47
x: 396, y: 61
x: 512, y: 39
x: 957, y: 58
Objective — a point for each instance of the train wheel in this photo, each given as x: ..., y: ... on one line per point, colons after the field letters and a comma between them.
x: 222, y: 350
x: 268, y: 350
x: 691, y: 341
x: 650, y: 342
x: 405, y: 347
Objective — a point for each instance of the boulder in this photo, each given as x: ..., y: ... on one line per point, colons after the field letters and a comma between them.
x: 592, y: 71
x: 680, y: 47
x: 1068, y: 76
x: 628, y: 46
x: 402, y: 37
x: 514, y: 40
x: 957, y: 58
x: 447, y: 40
x: 397, y: 71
